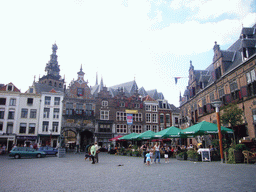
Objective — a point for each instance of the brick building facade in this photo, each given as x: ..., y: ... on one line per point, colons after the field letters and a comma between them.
x: 231, y: 79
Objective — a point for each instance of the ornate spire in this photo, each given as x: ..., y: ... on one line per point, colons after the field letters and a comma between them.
x: 191, y: 66
x: 81, y: 73
x: 52, y: 67
x: 216, y: 47
x: 101, y: 82
x: 96, y: 78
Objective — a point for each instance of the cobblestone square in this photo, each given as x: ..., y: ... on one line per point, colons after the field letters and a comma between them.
x: 122, y: 173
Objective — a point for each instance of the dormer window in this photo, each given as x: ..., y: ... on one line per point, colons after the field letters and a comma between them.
x: 104, y: 103
x: 9, y: 88
x: 218, y: 72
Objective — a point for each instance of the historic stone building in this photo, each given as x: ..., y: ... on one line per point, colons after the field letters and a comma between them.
x: 229, y: 78
x: 79, y: 112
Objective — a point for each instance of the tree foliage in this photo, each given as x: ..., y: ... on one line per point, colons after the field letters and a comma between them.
x: 232, y: 115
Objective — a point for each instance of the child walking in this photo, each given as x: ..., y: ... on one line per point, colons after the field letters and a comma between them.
x: 148, y: 159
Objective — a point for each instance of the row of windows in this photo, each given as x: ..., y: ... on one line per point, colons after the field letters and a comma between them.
x: 24, y: 113
x: 56, y: 113
x: 151, y: 108
x: 31, y: 128
x: 152, y: 128
x: 55, y: 126
x: 9, y: 127
x: 12, y: 101
x: 151, y: 117
x: 11, y: 114
x: 47, y: 100
x: 122, y: 128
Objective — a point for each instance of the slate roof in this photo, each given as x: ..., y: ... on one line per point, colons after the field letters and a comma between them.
x: 39, y: 87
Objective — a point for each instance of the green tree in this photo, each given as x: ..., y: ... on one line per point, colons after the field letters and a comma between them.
x: 232, y: 115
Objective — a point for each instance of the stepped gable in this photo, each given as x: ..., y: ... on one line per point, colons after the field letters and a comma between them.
x: 79, y: 88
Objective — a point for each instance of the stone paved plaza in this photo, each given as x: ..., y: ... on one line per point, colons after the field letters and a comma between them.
x: 73, y: 173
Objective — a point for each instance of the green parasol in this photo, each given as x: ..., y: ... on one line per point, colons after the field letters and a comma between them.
x: 204, y: 128
x: 171, y: 132
x: 144, y: 136
x: 128, y: 137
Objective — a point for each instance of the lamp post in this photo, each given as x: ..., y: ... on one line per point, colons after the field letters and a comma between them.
x: 217, y: 105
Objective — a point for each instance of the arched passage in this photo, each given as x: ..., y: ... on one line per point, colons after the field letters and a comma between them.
x: 69, y: 139
x: 86, y: 138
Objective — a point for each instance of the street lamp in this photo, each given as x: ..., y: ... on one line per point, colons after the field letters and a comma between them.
x: 217, y: 105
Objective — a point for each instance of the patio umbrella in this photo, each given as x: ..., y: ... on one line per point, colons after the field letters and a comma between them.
x: 171, y: 132
x: 203, y: 128
x: 115, y: 138
x: 144, y: 136
x: 128, y: 137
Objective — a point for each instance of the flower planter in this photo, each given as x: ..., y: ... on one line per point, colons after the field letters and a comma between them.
x: 184, y: 157
x: 195, y: 158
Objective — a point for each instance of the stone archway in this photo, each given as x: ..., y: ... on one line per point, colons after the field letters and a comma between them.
x: 86, y: 137
x: 69, y: 138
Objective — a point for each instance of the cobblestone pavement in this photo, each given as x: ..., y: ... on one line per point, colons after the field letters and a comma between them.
x: 73, y: 173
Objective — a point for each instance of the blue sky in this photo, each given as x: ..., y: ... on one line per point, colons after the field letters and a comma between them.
x: 152, y: 41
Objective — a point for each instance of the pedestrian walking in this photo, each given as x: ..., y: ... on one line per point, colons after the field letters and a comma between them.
x: 93, y: 153
x: 157, y: 152
x: 144, y: 149
x: 97, y: 152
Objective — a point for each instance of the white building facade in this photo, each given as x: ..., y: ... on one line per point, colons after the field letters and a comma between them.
x: 28, y: 119
x: 51, y: 108
x: 9, y: 107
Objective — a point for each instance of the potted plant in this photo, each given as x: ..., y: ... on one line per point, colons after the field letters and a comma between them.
x: 135, y: 153
x: 182, y: 155
x: 122, y: 151
x: 235, y: 154
x: 193, y: 155
x: 128, y: 152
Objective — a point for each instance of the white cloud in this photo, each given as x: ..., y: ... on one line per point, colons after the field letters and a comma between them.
x: 209, y: 9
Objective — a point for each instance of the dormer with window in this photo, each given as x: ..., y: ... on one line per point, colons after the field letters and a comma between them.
x: 104, y: 103
x: 248, y: 43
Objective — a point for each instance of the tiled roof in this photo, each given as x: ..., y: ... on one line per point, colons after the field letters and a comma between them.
x: 3, y: 88
x: 148, y: 98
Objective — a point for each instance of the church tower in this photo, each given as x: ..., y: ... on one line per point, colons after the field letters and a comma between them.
x: 52, y: 77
